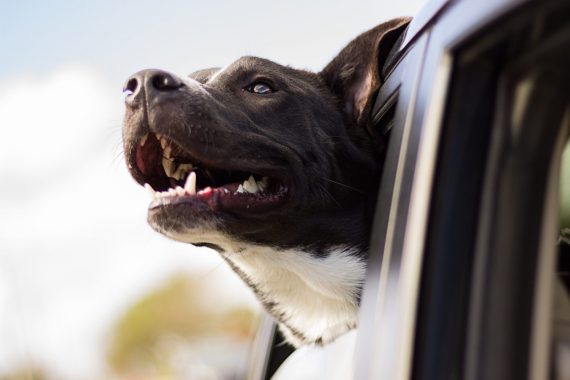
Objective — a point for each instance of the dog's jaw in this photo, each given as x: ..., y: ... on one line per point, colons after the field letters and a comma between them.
x: 314, y: 299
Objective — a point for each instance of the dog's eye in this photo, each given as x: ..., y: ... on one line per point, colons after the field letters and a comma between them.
x: 259, y: 88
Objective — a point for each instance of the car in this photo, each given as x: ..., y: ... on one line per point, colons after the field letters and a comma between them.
x: 466, y: 276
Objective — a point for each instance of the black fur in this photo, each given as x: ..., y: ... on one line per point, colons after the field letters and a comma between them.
x: 311, y: 133
x: 304, y: 133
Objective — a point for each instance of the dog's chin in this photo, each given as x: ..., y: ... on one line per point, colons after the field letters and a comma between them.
x: 188, y: 223
x: 214, y: 217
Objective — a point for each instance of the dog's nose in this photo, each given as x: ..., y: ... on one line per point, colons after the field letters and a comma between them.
x: 151, y: 82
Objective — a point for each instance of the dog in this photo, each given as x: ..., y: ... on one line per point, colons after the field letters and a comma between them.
x: 275, y: 168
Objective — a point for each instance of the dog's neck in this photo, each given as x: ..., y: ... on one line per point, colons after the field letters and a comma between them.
x: 314, y: 298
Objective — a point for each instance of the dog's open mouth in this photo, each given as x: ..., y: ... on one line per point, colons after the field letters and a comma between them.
x: 173, y: 176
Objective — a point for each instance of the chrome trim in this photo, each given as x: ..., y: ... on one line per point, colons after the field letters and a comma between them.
x: 419, y: 209
x: 395, y: 294
x: 423, y: 18
x: 372, y: 354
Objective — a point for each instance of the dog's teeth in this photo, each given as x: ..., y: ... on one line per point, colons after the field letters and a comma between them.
x: 190, y: 185
x: 206, y: 190
x: 250, y: 185
x: 240, y: 189
x: 143, y: 140
x: 263, y: 184
x: 150, y: 190
x: 172, y: 192
x: 182, y: 170
x: 177, y: 174
x: 167, y: 150
x: 180, y: 191
x: 163, y: 143
x: 252, y: 180
x: 168, y: 166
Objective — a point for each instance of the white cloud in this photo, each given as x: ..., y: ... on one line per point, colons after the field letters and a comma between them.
x: 47, y: 120
x: 75, y: 248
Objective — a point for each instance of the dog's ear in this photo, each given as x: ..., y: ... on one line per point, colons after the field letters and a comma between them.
x: 354, y: 74
x: 202, y: 76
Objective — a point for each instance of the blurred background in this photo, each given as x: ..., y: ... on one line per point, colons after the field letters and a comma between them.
x: 87, y: 289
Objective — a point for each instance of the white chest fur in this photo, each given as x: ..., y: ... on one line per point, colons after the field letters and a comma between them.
x: 315, y: 299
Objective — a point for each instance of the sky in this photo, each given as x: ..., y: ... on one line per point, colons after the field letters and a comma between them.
x: 75, y: 249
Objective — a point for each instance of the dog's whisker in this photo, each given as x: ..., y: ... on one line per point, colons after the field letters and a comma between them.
x: 282, y: 344
x: 342, y: 184
x: 327, y: 194
x: 119, y: 155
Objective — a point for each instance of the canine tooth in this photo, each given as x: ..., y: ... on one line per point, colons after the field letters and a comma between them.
x: 240, y: 189
x: 168, y: 166
x: 180, y: 191
x: 167, y: 151
x: 172, y: 192
x: 190, y: 185
x: 163, y: 143
x: 143, y: 140
x: 150, y: 189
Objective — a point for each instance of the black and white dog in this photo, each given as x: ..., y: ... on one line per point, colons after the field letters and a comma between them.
x: 275, y: 168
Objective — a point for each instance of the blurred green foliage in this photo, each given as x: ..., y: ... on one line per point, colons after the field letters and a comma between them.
x: 177, y: 312
x: 25, y: 374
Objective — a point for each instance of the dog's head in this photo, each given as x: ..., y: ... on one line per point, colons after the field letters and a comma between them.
x: 260, y: 153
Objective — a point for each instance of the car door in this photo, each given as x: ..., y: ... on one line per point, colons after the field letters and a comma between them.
x: 463, y: 268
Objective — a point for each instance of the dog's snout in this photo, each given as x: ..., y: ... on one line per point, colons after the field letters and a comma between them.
x: 151, y: 82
